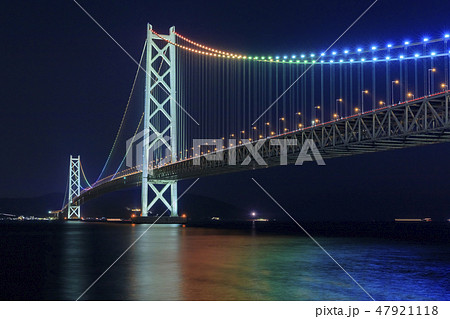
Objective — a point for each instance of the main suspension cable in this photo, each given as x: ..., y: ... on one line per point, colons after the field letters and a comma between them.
x: 124, y: 114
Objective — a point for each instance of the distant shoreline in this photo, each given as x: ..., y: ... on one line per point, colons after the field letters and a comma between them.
x: 411, y: 231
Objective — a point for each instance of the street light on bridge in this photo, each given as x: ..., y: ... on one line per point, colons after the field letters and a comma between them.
x: 282, y: 119
x: 362, y: 99
x: 410, y: 95
x: 336, y: 107
x: 392, y: 90
x: 430, y: 71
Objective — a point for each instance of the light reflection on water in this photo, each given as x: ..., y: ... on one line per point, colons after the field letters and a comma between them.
x: 174, y: 263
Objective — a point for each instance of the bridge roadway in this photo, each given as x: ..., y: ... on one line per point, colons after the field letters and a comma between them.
x: 413, y: 123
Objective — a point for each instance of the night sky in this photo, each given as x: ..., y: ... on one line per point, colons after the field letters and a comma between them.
x: 65, y: 84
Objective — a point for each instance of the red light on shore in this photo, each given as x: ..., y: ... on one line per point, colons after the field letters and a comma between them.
x: 183, y: 216
x: 133, y: 215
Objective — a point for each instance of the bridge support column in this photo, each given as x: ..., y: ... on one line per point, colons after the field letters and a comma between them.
x: 73, y: 209
x: 160, y: 120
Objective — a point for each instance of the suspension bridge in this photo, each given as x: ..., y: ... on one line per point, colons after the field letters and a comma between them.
x: 208, y: 111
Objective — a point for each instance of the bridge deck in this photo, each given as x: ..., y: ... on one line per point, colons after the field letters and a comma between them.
x: 417, y: 122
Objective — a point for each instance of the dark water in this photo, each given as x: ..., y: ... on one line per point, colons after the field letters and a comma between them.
x: 52, y: 261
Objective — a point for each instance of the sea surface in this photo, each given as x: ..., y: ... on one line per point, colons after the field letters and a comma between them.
x: 60, y: 261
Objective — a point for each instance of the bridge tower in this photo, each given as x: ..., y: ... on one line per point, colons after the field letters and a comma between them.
x: 160, y: 120
x: 73, y: 210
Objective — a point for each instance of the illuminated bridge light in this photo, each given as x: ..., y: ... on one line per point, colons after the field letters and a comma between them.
x: 374, y: 48
x: 402, y: 57
x: 294, y: 56
x: 322, y: 54
x: 389, y: 45
x: 447, y: 36
x: 302, y: 56
x: 346, y: 51
x: 406, y: 42
x: 374, y: 59
x: 416, y: 55
x: 334, y: 53
x: 433, y: 53
x: 388, y: 58
x: 359, y: 50
x: 425, y: 39
x: 312, y: 55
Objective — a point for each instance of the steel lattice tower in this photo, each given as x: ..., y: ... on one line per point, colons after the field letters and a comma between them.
x: 73, y: 210
x: 160, y: 118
